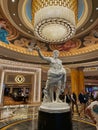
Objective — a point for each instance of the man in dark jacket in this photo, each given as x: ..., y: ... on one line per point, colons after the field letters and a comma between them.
x: 74, y: 102
x: 83, y: 98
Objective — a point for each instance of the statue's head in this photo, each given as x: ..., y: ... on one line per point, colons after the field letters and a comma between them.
x: 55, y: 53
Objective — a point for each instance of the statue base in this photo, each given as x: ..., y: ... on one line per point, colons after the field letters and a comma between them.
x: 54, y: 116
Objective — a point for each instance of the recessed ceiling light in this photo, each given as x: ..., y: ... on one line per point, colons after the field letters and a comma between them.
x: 14, y: 14
x: 91, y: 20
x: 20, y: 24
x: 13, y: 0
x: 97, y: 8
x: 82, y: 28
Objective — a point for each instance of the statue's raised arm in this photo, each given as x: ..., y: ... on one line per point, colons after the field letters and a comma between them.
x: 41, y: 55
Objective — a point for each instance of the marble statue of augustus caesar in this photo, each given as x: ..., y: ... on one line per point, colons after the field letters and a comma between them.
x: 56, y: 77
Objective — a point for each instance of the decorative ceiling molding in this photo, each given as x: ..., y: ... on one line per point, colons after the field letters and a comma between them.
x: 86, y: 14
x: 23, y: 17
x: 23, y: 54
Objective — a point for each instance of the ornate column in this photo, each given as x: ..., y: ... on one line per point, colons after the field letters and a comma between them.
x: 81, y: 79
x: 75, y: 81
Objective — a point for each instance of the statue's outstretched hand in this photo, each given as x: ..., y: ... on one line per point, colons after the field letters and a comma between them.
x: 36, y: 48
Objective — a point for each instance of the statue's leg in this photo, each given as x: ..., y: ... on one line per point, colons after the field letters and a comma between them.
x: 46, y: 93
x: 47, y: 85
x: 58, y: 92
x: 52, y: 93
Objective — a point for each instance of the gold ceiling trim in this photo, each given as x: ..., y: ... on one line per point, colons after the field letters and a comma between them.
x: 62, y: 54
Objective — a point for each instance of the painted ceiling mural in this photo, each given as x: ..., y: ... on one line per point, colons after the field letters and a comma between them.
x: 86, y: 35
x: 10, y: 35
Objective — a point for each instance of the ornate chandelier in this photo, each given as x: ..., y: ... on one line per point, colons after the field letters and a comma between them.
x: 54, y: 20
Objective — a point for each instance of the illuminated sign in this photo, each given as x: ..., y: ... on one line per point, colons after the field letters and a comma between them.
x: 20, y: 79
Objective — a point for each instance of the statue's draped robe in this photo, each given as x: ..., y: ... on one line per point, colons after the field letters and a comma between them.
x: 56, y: 73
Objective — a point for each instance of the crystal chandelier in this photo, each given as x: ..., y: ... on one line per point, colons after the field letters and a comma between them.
x: 54, y: 21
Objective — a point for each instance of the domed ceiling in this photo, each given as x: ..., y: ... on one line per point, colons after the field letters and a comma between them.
x: 81, y: 49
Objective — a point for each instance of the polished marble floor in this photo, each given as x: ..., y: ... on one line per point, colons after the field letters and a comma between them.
x: 25, y: 117
x: 32, y: 125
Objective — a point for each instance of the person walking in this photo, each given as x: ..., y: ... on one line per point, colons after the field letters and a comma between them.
x: 74, y: 103
x: 68, y: 98
x: 83, y: 99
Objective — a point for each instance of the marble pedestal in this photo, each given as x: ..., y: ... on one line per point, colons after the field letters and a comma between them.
x: 54, y: 116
